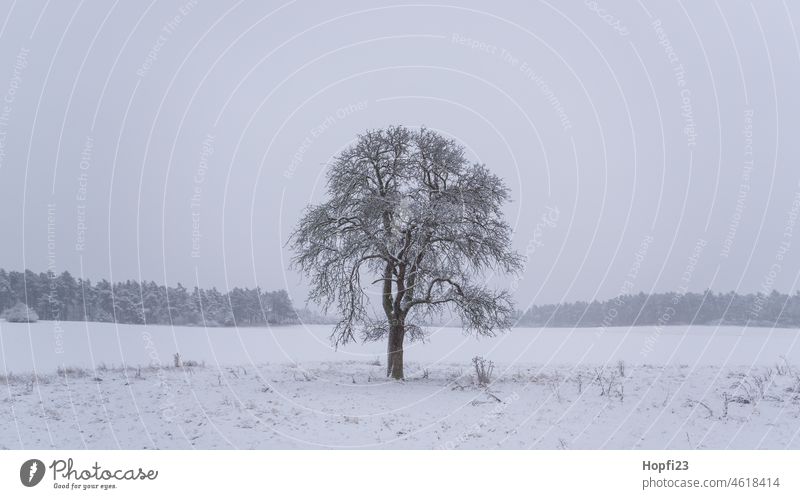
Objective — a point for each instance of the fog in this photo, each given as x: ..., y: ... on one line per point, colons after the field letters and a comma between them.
x: 647, y: 146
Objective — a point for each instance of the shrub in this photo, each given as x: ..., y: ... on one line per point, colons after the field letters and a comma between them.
x: 20, y: 313
x: 483, y: 370
x: 178, y: 362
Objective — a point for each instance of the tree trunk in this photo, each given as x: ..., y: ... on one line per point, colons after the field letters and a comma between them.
x: 394, y: 357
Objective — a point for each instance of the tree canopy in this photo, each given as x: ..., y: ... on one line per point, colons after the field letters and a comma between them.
x: 408, y: 217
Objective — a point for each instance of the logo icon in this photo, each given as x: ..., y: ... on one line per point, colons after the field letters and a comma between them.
x: 31, y: 472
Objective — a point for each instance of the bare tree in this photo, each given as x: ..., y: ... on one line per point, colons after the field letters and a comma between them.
x: 407, y: 214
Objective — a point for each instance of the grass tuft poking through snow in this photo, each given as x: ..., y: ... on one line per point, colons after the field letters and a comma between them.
x: 352, y: 405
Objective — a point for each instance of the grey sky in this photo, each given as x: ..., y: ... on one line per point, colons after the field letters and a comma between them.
x: 634, y: 121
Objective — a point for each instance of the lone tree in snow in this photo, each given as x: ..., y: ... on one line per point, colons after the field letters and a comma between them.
x: 408, y: 216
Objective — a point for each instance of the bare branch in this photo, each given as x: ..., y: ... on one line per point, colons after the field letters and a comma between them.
x: 408, y: 210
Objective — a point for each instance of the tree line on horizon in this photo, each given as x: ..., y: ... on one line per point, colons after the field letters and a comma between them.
x: 708, y: 308
x: 62, y: 297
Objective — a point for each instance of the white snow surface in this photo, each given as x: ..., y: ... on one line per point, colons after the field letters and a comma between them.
x: 75, y: 385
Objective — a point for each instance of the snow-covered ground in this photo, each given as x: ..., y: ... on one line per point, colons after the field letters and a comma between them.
x: 109, y: 386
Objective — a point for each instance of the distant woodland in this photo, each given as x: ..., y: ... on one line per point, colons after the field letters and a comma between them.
x: 755, y: 309
x: 63, y: 297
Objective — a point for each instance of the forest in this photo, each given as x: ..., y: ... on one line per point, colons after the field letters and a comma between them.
x: 66, y: 298
x: 708, y: 308
x: 63, y: 297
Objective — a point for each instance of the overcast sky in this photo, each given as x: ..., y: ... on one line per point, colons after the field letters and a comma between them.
x: 659, y: 140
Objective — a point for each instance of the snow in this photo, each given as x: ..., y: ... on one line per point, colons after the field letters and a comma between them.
x: 114, y: 386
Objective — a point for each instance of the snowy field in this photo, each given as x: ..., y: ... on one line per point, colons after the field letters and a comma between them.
x: 91, y: 385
